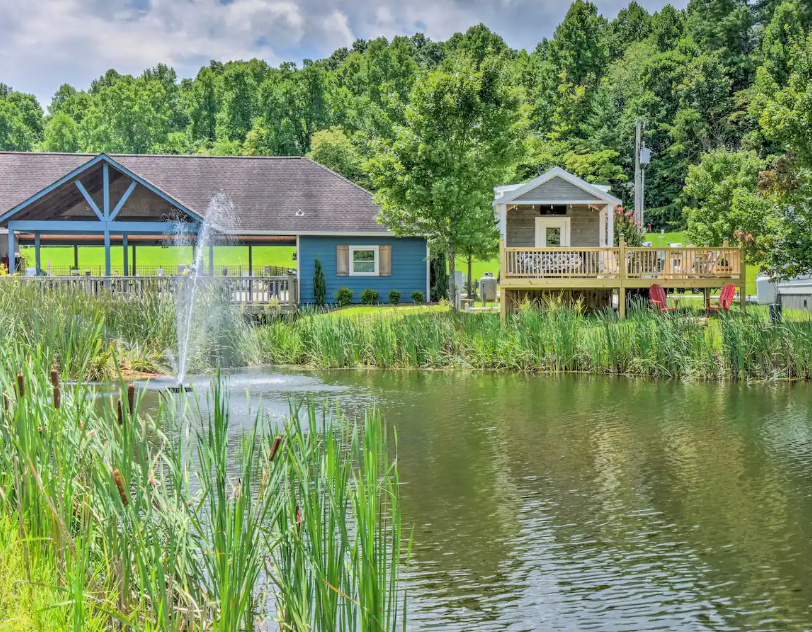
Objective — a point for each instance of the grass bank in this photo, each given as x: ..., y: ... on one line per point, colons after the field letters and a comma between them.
x: 735, y: 346
x: 107, y: 523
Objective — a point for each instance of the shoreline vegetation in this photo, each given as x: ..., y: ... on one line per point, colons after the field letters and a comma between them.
x: 96, y: 338
x: 106, y: 522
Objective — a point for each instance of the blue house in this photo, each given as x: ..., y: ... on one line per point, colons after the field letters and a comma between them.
x: 132, y: 200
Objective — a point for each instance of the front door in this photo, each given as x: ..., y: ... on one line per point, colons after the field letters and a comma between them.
x: 552, y: 232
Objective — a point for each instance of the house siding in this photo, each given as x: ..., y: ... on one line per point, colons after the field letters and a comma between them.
x: 584, y: 227
x: 408, y: 267
x: 557, y: 189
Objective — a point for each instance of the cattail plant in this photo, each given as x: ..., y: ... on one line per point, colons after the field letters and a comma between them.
x: 131, y: 398
x: 20, y: 386
x: 125, y: 499
x: 57, y: 398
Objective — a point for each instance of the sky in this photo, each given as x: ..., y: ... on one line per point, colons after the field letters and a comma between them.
x: 45, y: 43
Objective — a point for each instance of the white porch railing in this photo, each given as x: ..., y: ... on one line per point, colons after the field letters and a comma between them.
x: 259, y: 290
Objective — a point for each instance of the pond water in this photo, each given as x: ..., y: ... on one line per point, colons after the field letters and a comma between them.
x: 574, y: 503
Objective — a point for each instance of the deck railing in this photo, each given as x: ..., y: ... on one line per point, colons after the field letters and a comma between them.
x: 258, y: 290
x: 620, y: 261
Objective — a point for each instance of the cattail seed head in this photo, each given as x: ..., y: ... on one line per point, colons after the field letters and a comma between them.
x: 20, y: 385
x: 131, y: 398
x: 57, y: 397
x: 275, y: 447
x: 299, y: 518
x: 55, y: 378
x: 125, y: 500
x: 5, y: 400
x: 120, y: 414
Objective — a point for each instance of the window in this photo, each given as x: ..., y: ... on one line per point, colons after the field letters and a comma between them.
x: 363, y: 260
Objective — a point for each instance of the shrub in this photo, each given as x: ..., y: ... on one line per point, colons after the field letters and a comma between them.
x: 369, y: 297
x: 319, y: 284
x: 417, y: 297
x: 343, y: 296
x: 394, y: 297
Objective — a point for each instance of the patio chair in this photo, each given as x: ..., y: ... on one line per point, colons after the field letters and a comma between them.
x: 659, y: 299
x: 723, y: 301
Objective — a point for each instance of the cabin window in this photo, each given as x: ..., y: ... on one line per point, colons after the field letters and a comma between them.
x: 363, y: 260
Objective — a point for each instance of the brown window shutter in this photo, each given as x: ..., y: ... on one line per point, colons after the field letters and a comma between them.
x: 385, y: 260
x: 342, y: 260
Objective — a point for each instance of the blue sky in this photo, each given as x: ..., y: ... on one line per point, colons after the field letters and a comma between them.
x: 44, y: 43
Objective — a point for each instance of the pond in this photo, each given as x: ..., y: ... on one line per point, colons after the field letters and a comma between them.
x: 573, y: 503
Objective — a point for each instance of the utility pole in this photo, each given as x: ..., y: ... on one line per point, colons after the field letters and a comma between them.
x: 638, y: 172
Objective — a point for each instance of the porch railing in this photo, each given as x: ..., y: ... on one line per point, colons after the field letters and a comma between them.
x: 623, y: 262
x: 258, y: 290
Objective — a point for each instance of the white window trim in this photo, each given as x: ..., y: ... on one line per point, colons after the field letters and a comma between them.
x: 352, y: 259
x: 559, y: 221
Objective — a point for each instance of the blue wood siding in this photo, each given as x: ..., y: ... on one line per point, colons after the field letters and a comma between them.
x: 408, y: 267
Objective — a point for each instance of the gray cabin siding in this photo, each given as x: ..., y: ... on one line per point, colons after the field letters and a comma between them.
x: 521, y: 227
x: 557, y: 189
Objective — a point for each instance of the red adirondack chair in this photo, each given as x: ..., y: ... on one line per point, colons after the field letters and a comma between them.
x: 659, y: 300
x: 724, y: 300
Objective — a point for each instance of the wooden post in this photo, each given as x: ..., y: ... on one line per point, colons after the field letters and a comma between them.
x: 502, y: 291
x: 12, y: 255
x: 135, y: 273
x: 250, y: 273
x: 126, y: 250
x: 76, y: 256
x: 37, y: 257
x: 211, y: 260
x: 623, y: 263
x: 743, y: 277
x: 107, y: 252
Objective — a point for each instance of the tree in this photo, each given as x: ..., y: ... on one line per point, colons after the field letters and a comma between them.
x: 130, y: 115
x: 579, y: 46
x: 61, y: 134
x: 335, y: 150
x: 786, y: 111
x: 459, y: 140
x: 319, y: 284
x: 721, y: 201
x: 203, y: 105
x: 20, y: 120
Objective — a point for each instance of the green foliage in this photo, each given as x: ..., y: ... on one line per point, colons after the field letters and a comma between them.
x: 731, y: 74
x: 394, y: 297
x: 418, y: 298
x: 721, y: 201
x: 369, y: 296
x: 343, y: 296
x: 627, y: 228
x: 460, y: 138
x: 319, y: 283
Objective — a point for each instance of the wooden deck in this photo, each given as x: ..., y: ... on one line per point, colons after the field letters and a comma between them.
x: 249, y: 292
x: 619, y: 268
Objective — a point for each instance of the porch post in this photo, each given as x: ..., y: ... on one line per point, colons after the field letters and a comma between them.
x: 126, y: 249
x: 11, y: 253
x: 503, y: 220
x: 610, y: 211
x: 76, y: 256
x: 37, y: 258
x: 211, y: 260
x: 135, y: 270
x: 107, y: 251
x: 602, y: 228
x: 250, y: 273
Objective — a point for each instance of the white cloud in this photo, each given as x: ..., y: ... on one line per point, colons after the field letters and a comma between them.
x: 44, y: 43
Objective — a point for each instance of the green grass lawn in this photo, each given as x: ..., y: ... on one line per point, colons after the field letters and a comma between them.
x: 155, y: 256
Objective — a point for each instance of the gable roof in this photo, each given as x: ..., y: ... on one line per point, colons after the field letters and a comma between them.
x: 271, y: 195
x: 556, y: 186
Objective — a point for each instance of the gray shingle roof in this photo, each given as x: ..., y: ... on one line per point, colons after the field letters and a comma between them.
x: 267, y: 192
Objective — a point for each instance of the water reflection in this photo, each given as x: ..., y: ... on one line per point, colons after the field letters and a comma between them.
x: 571, y: 503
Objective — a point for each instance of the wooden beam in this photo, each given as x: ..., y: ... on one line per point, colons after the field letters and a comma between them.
x: 89, y: 200
x: 123, y: 199
x: 107, y: 253
x: 106, y: 189
x: 11, y: 251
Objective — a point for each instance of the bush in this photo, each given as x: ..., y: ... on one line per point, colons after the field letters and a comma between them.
x: 417, y: 297
x: 394, y: 297
x: 369, y: 297
x: 343, y: 296
x: 319, y: 284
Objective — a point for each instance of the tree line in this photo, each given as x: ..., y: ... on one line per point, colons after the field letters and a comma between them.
x: 723, y: 86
